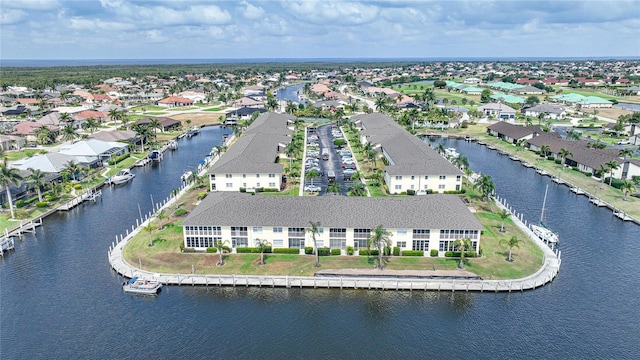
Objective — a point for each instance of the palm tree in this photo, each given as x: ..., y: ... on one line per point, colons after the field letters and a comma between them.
x: 603, y: 170
x: 511, y: 243
x: 381, y: 103
x: 143, y: 132
x: 262, y: 245
x: 334, y: 187
x: 563, y: 153
x: 91, y: 124
x: 626, y: 152
x: 45, y: 135
x: 65, y: 117
x: 627, y: 188
x: 461, y: 161
x: 573, y: 135
x: 38, y: 179
x: 73, y: 168
x: 220, y: 244
x: 312, y: 175
x: 9, y: 176
x: 69, y: 133
x: 462, y: 244
x: 272, y: 104
x: 114, y: 114
x: 380, y: 238
x: 162, y: 215
x: 504, y: 215
x: 314, y: 230
x: 612, y: 165
x: 486, y: 186
x: 545, y: 150
x: 150, y: 228
x: 154, y: 125
x: 357, y: 189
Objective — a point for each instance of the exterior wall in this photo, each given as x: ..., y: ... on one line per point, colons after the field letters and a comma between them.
x: 233, y: 182
x: 427, y: 240
x: 402, y: 183
x: 629, y: 170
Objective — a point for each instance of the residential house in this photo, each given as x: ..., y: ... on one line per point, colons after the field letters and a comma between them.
x: 166, y: 123
x: 513, y: 133
x: 174, y: 101
x: 554, y: 112
x: 243, y: 113
x: 498, y: 110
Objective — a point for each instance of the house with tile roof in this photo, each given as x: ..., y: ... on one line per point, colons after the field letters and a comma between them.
x: 174, y: 101
x: 412, y: 164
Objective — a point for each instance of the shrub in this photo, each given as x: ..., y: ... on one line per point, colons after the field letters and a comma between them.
x: 259, y: 190
x: 212, y: 250
x: 456, y: 254
x: 324, y: 251
x: 558, y: 161
x: 349, y: 250
x: 336, y: 252
x: 117, y: 159
x: 396, y: 251
x: 20, y: 203
x: 413, y: 253
x: 286, y: 251
x: 252, y: 250
x: 434, y: 253
x: 411, y: 192
x: 270, y: 190
x: 42, y: 204
x: 242, y: 190
x: 179, y: 212
x: 616, y: 183
x: 202, y: 195
x: 367, y: 252
x: 77, y: 186
x: 308, y: 250
x: 429, y: 191
x: 387, y: 251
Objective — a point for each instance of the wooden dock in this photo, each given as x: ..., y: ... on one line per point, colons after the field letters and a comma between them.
x: 7, y: 241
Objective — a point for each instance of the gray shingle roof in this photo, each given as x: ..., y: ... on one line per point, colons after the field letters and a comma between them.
x: 514, y: 131
x: 409, y: 154
x: 438, y: 211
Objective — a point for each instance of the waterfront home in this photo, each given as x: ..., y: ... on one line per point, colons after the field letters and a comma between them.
x: 166, y: 123
x: 92, y: 150
x: 50, y: 162
x: 251, y: 163
x: 247, y: 101
x: 243, y: 113
x: 174, y: 101
x: 498, y: 110
x: 513, y: 133
x: 426, y: 223
x: 412, y: 164
x: 550, y: 111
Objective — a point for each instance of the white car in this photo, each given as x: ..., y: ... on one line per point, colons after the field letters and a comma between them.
x: 623, y: 142
x: 312, y: 188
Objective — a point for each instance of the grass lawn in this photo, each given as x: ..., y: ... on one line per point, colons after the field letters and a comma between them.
x: 146, y: 108
x: 214, y: 109
x: 157, y: 113
x: 22, y: 154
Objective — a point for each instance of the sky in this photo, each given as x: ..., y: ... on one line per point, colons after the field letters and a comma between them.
x: 246, y: 29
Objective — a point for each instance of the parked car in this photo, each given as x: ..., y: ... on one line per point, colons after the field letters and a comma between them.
x: 623, y: 142
x: 317, y: 169
x: 348, y: 160
x: 349, y: 166
x: 312, y: 188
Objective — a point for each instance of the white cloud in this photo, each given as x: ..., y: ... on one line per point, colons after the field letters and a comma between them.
x: 332, y: 12
x: 12, y: 16
x: 250, y: 11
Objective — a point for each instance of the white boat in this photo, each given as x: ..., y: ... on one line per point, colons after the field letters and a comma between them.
x: 186, y: 176
x: 140, y: 286
x: 172, y: 144
x: 576, y: 190
x: 122, y: 177
x: 451, y: 152
x: 542, y: 231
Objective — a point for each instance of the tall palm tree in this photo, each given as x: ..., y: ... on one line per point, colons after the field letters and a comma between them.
x: 9, y: 176
x: 380, y: 238
x: 143, y: 132
x: 312, y: 175
x: 114, y: 114
x: 612, y: 165
x: 626, y: 152
x: 220, y: 244
x: 563, y: 153
x: 73, y: 168
x: 486, y: 186
x: 38, y: 179
x: 150, y: 228
x: 573, y: 135
x: 504, y: 215
x: 545, y: 150
x: 381, y: 102
x: 69, y: 133
x: 463, y: 245
x: 66, y: 118
x: 262, y: 245
x: 315, y: 230
x: 357, y: 189
x: 603, y: 170
x: 511, y: 243
x: 91, y: 124
x: 627, y: 188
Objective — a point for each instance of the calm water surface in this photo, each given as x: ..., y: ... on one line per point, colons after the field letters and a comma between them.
x: 60, y: 299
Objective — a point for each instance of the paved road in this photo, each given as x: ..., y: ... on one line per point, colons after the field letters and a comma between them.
x: 325, y: 139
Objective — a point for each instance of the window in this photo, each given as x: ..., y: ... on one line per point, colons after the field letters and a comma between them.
x: 320, y: 230
x: 297, y: 243
x: 360, y: 238
x: 426, y: 187
x: 257, y: 184
x: 272, y: 175
x: 320, y: 243
x: 229, y: 185
x: 228, y: 176
x: 401, y: 244
x: 338, y: 238
x: 272, y: 185
x: 278, y: 243
x: 443, y: 177
x: 459, y: 234
x: 244, y: 185
x: 458, y: 178
x: 420, y: 245
x: 413, y: 177
x: 237, y: 242
x: 402, y: 231
x: 257, y: 176
x: 277, y: 230
x: 239, y: 231
x: 257, y: 229
x: 244, y: 176
x: 338, y: 243
x: 398, y: 177
x: 202, y: 242
x: 213, y: 176
x: 441, y: 186
x: 412, y: 187
x: 296, y: 232
x: 421, y: 233
x: 398, y: 187
x: 449, y: 245
x: 458, y: 187
x: 426, y: 177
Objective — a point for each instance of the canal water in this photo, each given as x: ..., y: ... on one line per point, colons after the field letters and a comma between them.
x: 60, y: 299
x: 289, y: 93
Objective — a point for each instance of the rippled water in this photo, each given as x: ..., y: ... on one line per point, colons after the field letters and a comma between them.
x: 60, y: 299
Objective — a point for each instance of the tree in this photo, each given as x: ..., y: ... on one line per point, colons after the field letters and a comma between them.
x: 44, y: 135
x: 626, y: 152
x: 162, y: 215
x: 573, y: 135
x: 272, y: 104
x: 73, y: 168
x: 461, y: 161
x: 9, y: 176
x: 90, y: 124
x: 312, y: 175
x: 381, y: 103
x: 511, y: 243
x: 154, y: 125
x: 38, y: 179
x: 143, y: 132
x: 463, y: 245
x: 262, y: 245
x: 504, y: 215
x: 150, y: 228
x: 563, y: 153
x: 612, y: 165
x: 334, y: 187
x: 485, y: 96
x: 380, y: 238
x: 486, y: 186
x: 357, y: 189
x: 603, y: 170
x: 627, y: 188
x: 532, y: 100
x: 440, y: 84
x: 545, y: 150
x: 69, y: 133
x: 315, y: 230
x: 220, y: 244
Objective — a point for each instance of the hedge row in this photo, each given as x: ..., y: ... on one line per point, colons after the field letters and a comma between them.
x: 117, y: 159
x: 457, y: 254
x: 286, y: 251
x: 252, y: 250
x: 413, y: 253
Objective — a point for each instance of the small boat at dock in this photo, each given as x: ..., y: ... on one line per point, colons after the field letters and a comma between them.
x: 122, y: 177
x: 576, y: 190
x: 542, y: 231
x: 144, y: 287
x: 172, y: 145
x: 557, y: 180
x: 186, y: 176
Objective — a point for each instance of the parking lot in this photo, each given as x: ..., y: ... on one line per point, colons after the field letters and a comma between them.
x: 329, y: 162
